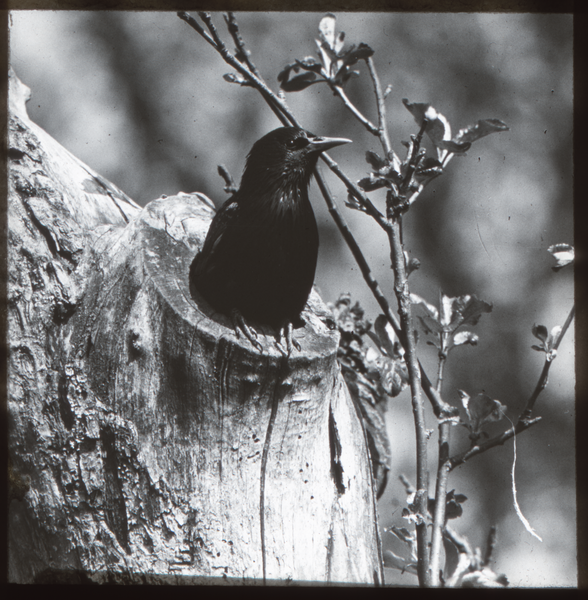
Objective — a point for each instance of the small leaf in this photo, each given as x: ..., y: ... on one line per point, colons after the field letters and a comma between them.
x: 309, y: 64
x: 430, y: 325
x: 481, y: 410
x: 403, y: 534
x: 540, y: 332
x: 327, y: 29
x: 452, y: 146
x: 484, y: 578
x: 563, y: 254
x: 353, y: 203
x: 465, y: 401
x: 386, y: 336
x: 416, y: 299
x: 371, y: 183
x: 479, y: 130
x: 285, y: 72
x: 465, y: 337
x: 462, y: 310
x: 474, y: 309
x: 420, y: 111
x: 298, y: 83
x: 438, y: 128
x: 339, y: 43
x: 454, y: 501
x: 362, y: 52
x: 375, y: 160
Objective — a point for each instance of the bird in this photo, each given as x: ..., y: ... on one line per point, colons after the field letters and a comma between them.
x: 258, y: 260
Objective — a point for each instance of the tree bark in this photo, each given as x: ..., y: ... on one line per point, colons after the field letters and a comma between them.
x: 139, y: 421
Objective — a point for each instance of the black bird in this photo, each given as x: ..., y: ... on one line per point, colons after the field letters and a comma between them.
x: 259, y: 257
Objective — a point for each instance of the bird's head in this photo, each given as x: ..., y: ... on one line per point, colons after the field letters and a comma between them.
x: 286, y: 157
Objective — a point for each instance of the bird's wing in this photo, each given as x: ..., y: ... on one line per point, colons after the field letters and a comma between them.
x: 223, y: 218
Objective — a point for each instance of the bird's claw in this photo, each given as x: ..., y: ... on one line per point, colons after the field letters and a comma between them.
x: 240, y: 325
x: 287, y: 333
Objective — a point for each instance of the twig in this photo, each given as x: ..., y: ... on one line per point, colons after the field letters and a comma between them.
x: 498, y: 440
x: 524, y: 421
x: 366, y: 203
x: 354, y: 110
x: 381, y: 103
x: 278, y: 106
x: 357, y: 253
x: 443, y: 467
x: 439, y: 514
x: 405, y: 312
x: 230, y: 188
x: 490, y: 546
x: 233, y: 28
x: 188, y: 18
x: 542, y: 383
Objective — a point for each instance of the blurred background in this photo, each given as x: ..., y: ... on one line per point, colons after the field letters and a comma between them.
x: 140, y: 98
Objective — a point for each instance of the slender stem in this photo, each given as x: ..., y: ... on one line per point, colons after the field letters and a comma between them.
x: 356, y: 251
x: 490, y: 546
x: 498, y: 440
x: 524, y: 421
x: 381, y: 103
x: 443, y: 466
x: 365, y: 202
x: 354, y: 110
x: 413, y: 159
x: 279, y: 107
x: 542, y: 383
x: 230, y: 188
x: 405, y: 312
x: 233, y: 28
x: 440, y: 369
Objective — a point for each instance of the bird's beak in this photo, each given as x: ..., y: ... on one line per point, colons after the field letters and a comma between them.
x: 320, y: 144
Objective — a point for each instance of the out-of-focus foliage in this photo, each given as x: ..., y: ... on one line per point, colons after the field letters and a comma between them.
x: 142, y: 99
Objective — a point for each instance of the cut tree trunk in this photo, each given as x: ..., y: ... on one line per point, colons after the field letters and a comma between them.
x: 147, y: 441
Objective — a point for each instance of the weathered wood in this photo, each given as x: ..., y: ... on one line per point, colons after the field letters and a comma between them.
x: 137, y: 417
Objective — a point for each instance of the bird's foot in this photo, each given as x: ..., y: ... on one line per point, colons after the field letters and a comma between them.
x: 241, y: 326
x: 286, y: 333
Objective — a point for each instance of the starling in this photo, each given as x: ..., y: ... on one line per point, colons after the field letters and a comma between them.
x: 259, y: 257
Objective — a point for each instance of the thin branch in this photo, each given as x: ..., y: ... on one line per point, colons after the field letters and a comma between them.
x: 542, y: 383
x: 188, y: 18
x: 356, y: 251
x: 230, y: 188
x: 233, y: 28
x: 490, y: 546
x: 278, y: 106
x: 418, y: 409
x: 524, y: 421
x: 439, y: 514
x: 443, y: 465
x: 365, y: 202
x: 354, y: 110
x: 381, y: 103
x: 498, y: 440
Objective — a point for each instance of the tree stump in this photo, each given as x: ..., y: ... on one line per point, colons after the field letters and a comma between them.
x: 139, y: 422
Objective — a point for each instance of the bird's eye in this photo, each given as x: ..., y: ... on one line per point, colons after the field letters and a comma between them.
x: 297, y: 143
